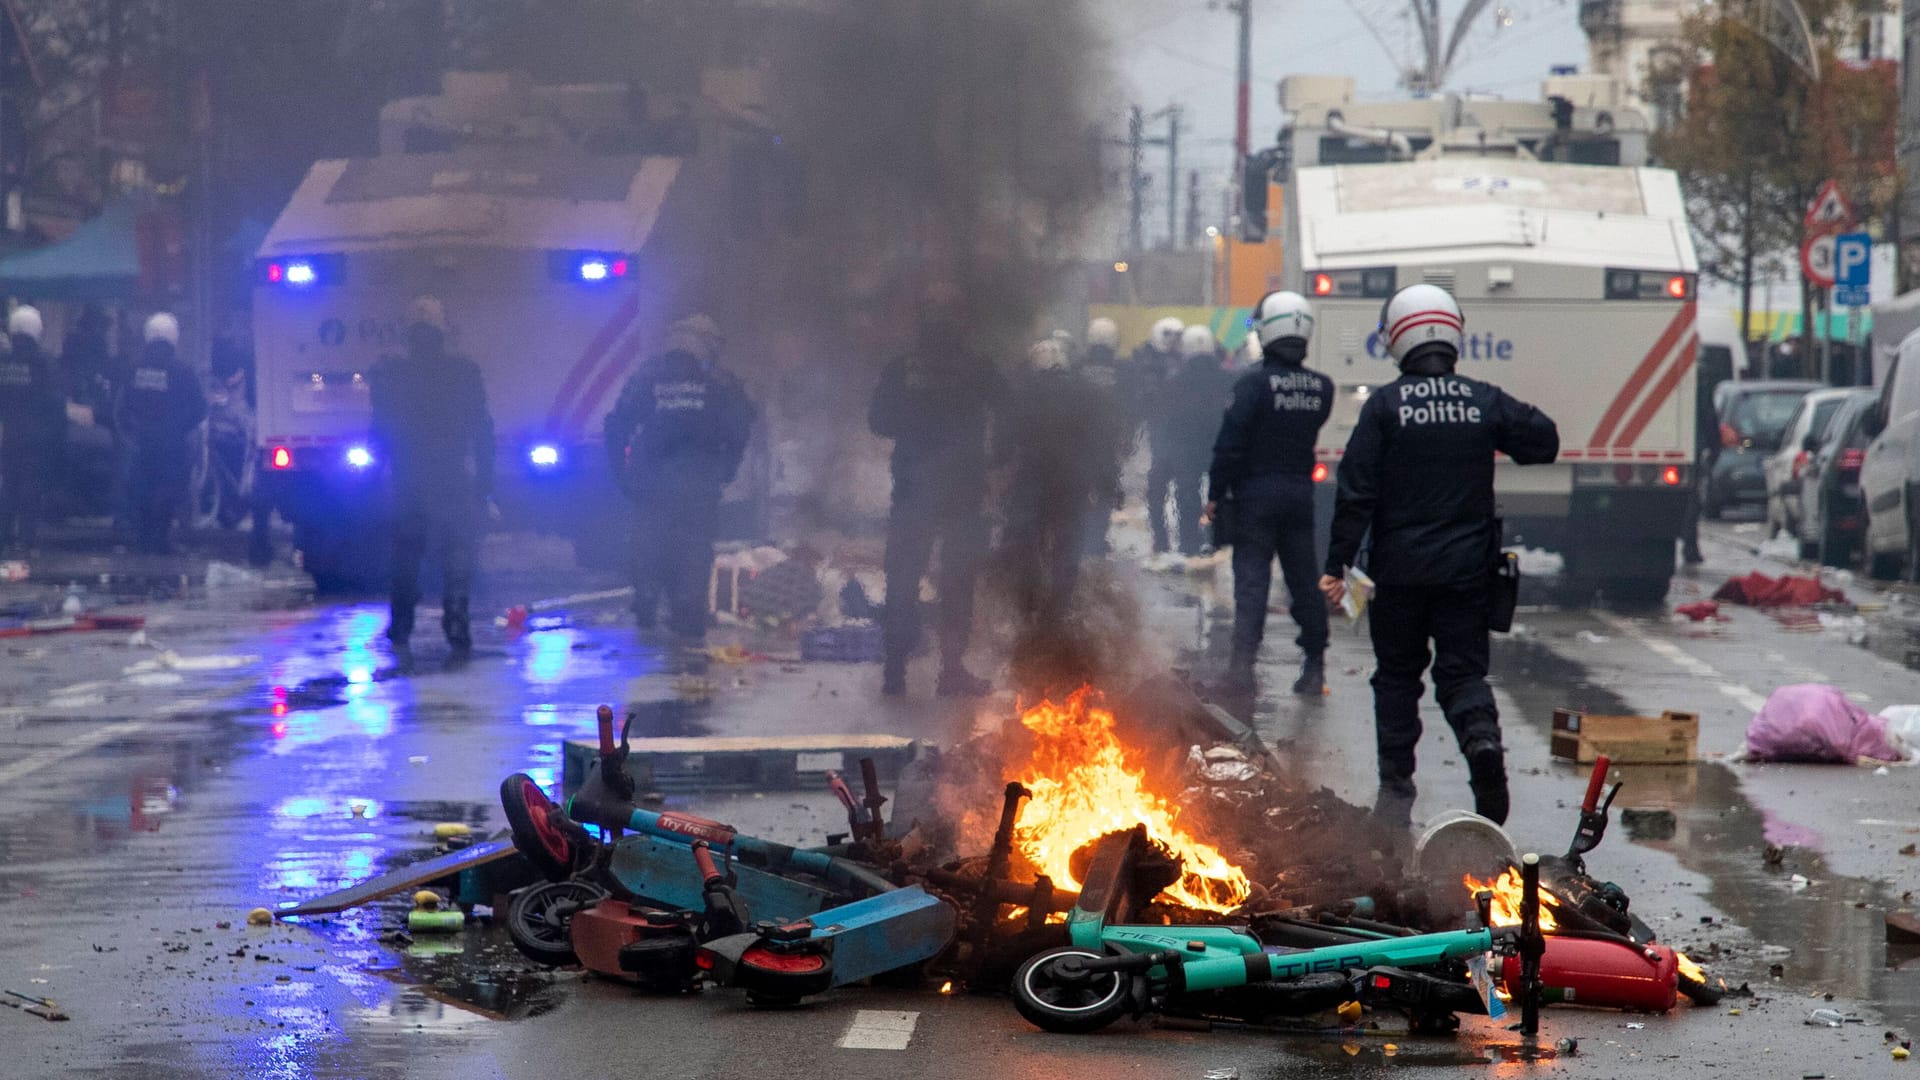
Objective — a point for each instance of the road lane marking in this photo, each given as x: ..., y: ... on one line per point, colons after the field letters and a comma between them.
x: 72, y: 747
x: 1685, y: 661
x: 879, y: 1029
x: 83, y: 741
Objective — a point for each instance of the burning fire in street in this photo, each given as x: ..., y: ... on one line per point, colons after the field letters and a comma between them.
x: 1083, y: 789
x: 1507, y: 890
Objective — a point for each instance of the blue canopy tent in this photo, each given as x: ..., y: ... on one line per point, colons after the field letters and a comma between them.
x: 100, y: 260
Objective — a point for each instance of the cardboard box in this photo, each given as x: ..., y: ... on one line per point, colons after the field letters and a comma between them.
x: 1672, y: 738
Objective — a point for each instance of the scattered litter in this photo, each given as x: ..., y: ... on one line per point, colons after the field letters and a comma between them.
x: 1798, y: 882
x: 1825, y: 1018
x: 1736, y: 1011
x: 1853, y: 627
x: 1814, y: 722
x: 1568, y: 1046
x: 259, y: 917
x: 1759, y: 590
x: 417, y: 759
x: 1910, y: 849
x: 1635, y: 1026
x: 1901, y: 1053
x: 1779, y: 546
x: 1228, y: 1073
x: 447, y: 830
x: 1539, y: 562
x: 44, y: 1008
x: 1882, y: 771
x: 1588, y: 637
x: 1230, y: 771
x: 1349, y: 1011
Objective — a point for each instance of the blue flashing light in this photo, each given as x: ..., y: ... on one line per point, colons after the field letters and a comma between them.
x: 359, y: 457
x: 300, y: 272
x: 544, y: 456
x: 595, y: 269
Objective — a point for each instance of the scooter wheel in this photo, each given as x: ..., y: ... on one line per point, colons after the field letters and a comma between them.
x: 1069, y: 1006
x: 538, y: 915
x: 529, y: 814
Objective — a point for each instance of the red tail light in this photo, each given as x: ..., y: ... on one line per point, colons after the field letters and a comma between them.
x: 1670, y: 476
x: 1320, y: 472
x: 794, y: 963
x: 1323, y: 284
x: 1851, y: 460
x: 1799, y: 463
x: 281, y: 458
x: 1729, y: 438
x: 705, y: 959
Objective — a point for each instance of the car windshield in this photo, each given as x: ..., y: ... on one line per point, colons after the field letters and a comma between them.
x: 1761, y: 418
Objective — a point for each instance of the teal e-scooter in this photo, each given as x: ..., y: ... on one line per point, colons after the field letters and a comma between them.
x: 1113, y: 969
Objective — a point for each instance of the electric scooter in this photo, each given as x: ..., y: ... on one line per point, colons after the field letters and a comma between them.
x: 1113, y: 969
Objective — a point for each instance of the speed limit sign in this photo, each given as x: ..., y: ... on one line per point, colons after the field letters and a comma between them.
x: 1817, y: 261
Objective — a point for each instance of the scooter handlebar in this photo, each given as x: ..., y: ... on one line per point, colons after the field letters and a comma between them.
x: 703, y: 859
x: 605, y: 716
x: 1596, y: 783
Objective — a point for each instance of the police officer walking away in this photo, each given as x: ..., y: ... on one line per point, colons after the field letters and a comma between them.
x: 1418, y: 472
x: 1184, y: 416
x: 32, y: 429
x: 1263, y: 462
x: 677, y: 436
x: 936, y: 404
x: 1155, y: 363
x: 433, y: 434
x: 160, y: 406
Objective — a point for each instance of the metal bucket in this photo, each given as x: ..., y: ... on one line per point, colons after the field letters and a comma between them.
x: 1454, y: 844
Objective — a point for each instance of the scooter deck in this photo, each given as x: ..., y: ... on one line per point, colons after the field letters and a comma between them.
x: 410, y: 876
x: 885, y: 933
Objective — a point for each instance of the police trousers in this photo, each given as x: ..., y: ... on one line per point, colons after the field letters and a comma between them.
x: 926, y: 512
x: 1406, y: 620
x: 674, y: 531
x: 446, y: 528
x: 1273, y: 515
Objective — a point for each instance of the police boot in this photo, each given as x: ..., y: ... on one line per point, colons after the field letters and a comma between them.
x: 1393, y: 806
x: 456, y: 623
x: 1487, y: 772
x: 1313, y: 676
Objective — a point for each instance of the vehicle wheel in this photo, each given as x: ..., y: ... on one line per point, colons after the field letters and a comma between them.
x: 1069, y: 1007
x: 538, y: 915
x: 530, y: 815
x: 1635, y: 593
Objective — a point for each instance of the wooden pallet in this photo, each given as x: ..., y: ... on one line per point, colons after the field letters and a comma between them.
x: 1672, y: 738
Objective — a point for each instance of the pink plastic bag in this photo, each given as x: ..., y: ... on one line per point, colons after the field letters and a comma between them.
x: 1813, y: 722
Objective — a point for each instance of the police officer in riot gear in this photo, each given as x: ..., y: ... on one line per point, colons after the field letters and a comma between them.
x: 160, y: 406
x: 1263, y: 462
x: 936, y: 403
x: 1418, y: 473
x: 1184, y: 416
x: 433, y: 434
x: 677, y: 437
x: 32, y: 428
x: 1155, y: 363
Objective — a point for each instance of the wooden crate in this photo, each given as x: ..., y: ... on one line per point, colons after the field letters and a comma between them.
x: 1672, y: 738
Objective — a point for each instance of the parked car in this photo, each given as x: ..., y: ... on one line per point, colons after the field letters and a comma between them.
x: 1753, y: 420
x: 1784, y: 466
x: 1830, y: 514
x: 1891, y: 472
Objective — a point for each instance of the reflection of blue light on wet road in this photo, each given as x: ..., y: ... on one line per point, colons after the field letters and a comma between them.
x: 303, y: 807
x: 549, y: 654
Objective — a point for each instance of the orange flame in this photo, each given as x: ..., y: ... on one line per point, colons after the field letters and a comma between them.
x: 1083, y: 789
x: 1691, y: 970
x: 1507, y: 891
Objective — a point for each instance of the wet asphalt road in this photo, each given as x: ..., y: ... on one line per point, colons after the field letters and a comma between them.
x: 158, y: 788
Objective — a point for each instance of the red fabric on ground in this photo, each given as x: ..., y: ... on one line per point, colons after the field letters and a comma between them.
x: 1759, y: 590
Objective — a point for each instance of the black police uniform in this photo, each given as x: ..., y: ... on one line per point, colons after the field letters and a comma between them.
x: 1184, y: 417
x: 160, y: 405
x: 1418, y: 473
x: 1263, y: 462
x: 32, y: 434
x: 936, y: 405
x: 434, y: 434
x: 677, y: 436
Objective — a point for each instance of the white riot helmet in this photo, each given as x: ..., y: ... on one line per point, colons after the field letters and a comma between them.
x: 1103, y: 332
x: 26, y: 321
x: 162, y: 326
x: 1421, y: 315
x: 1166, y: 334
x: 1196, y: 341
x: 1283, y: 315
x: 1047, y: 355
